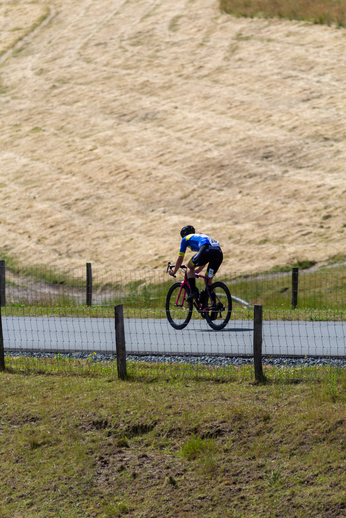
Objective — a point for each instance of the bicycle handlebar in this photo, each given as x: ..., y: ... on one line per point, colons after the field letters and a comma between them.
x: 170, y: 266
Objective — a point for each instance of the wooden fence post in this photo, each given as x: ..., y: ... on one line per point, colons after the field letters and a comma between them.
x: 294, y: 298
x: 2, y: 283
x: 89, y: 285
x: 120, y: 341
x: 257, y: 342
x: 2, y: 351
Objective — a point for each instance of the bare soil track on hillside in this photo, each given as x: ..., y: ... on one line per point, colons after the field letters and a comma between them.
x: 123, y: 120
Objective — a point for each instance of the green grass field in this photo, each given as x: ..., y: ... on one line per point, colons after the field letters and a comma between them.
x: 94, y: 446
x: 315, y: 11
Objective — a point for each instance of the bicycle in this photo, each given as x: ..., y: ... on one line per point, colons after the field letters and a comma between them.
x: 214, y: 303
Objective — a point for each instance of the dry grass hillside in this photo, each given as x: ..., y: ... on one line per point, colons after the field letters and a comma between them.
x: 123, y: 120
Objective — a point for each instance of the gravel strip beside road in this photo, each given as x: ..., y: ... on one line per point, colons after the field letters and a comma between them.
x: 203, y: 360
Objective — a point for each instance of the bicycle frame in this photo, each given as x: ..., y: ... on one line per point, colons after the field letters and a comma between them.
x: 185, y: 282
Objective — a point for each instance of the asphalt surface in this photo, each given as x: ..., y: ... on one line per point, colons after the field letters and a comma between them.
x: 156, y: 336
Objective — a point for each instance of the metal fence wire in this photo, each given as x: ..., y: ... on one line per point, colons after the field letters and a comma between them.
x: 42, y: 286
x: 45, y: 314
x: 89, y: 330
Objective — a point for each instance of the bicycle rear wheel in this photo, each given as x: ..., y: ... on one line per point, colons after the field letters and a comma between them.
x: 219, y: 310
x: 178, y: 309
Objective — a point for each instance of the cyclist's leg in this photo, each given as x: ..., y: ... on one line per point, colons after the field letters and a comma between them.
x: 216, y: 258
x: 199, y: 269
x: 215, y: 261
x: 190, y: 272
x: 192, y: 281
x: 197, y: 261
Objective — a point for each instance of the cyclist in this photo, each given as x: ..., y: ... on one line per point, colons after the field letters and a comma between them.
x: 208, y: 252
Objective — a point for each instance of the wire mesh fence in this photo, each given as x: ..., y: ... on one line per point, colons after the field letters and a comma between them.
x: 45, y: 316
x: 42, y: 286
x: 86, y: 330
x: 90, y: 330
x: 87, y: 336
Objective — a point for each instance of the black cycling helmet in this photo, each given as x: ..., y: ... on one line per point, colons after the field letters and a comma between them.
x: 185, y: 231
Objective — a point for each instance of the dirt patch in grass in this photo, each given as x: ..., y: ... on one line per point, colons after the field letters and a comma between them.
x: 123, y: 121
x: 211, y: 449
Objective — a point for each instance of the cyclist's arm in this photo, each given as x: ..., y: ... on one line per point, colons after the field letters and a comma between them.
x: 177, y: 265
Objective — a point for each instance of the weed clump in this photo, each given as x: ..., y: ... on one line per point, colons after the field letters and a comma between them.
x: 122, y: 443
x: 195, y: 447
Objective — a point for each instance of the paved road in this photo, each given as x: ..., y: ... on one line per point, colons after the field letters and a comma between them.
x: 155, y: 336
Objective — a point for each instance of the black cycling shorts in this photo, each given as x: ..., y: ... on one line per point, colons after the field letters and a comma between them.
x: 207, y: 254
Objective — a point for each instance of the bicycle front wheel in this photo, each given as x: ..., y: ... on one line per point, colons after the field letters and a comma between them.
x: 219, y: 310
x: 178, y: 309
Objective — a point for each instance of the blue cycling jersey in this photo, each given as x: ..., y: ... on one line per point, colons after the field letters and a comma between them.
x: 195, y: 241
